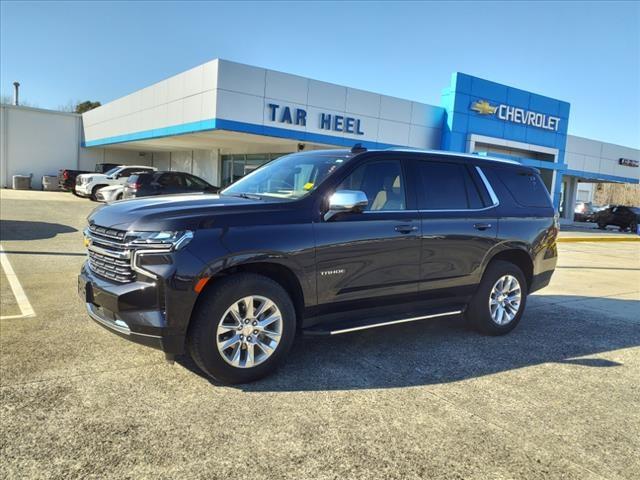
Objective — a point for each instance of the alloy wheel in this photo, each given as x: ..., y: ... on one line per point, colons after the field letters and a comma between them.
x: 249, y: 331
x: 505, y: 299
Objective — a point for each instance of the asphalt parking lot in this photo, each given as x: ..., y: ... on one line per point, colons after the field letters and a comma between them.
x: 557, y: 398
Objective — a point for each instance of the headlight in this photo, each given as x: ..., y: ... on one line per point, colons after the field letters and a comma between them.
x: 165, y: 239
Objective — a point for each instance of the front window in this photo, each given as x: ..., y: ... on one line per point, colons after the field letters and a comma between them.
x: 290, y: 177
x: 112, y: 172
x: 196, y: 183
x: 381, y: 182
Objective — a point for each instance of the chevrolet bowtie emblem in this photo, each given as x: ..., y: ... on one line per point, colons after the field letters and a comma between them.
x: 483, y: 107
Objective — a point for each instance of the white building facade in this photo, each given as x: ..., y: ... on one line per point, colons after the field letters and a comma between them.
x: 220, y: 120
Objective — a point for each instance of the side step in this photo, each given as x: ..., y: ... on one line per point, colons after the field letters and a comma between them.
x: 339, y: 327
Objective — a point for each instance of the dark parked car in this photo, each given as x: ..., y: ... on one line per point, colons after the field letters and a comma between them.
x: 323, y: 242
x: 619, y: 215
x: 67, y: 177
x: 585, y: 211
x: 165, y: 183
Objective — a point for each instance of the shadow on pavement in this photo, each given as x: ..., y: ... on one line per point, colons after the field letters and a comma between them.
x: 442, y: 351
x: 26, y: 230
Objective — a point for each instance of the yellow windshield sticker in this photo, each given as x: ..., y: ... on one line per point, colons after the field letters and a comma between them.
x: 308, y: 186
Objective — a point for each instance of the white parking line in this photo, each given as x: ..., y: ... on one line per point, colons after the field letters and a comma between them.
x: 16, y: 288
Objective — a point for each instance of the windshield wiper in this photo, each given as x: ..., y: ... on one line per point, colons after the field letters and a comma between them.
x: 248, y: 196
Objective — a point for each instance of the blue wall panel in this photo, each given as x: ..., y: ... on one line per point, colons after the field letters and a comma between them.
x: 518, y: 98
x: 462, y: 121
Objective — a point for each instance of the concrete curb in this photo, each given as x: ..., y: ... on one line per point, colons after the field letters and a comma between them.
x: 598, y: 239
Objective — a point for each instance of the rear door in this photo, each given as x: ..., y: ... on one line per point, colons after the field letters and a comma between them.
x: 459, y: 224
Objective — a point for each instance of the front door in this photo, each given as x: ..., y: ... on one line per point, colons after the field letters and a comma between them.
x: 373, y: 256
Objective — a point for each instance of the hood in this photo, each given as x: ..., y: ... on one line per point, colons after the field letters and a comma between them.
x: 94, y: 175
x: 169, y: 212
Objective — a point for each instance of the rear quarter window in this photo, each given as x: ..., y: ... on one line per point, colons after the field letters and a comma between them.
x: 526, y: 187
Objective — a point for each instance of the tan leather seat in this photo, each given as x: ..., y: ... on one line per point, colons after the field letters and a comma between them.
x: 389, y: 198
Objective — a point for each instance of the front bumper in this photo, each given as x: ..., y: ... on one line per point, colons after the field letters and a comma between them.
x: 83, y: 189
x: 124, y: 309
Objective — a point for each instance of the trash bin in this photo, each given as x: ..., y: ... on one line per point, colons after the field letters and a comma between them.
x: 50, y: 182
x: 22, y: 182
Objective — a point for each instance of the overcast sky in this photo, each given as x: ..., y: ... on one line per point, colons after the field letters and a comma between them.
x: 586, y: 53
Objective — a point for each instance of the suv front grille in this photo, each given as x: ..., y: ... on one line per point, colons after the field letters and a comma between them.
x: 111, y: 268
x: 109, y: 233
x: 109, y: 255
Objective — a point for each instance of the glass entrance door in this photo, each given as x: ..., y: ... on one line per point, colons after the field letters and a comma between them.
x: 237, y: 166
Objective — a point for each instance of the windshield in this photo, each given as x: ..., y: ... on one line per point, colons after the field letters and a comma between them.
x: 111, y: 172
x: 289, y: 177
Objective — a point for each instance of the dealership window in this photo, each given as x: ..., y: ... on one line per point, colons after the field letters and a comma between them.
x: 237, y: 166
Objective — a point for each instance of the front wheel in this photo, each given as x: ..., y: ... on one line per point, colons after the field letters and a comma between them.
x: 499, y: 302
x: 94, y: 192
x: 242, y: 329
x: 602, y: 226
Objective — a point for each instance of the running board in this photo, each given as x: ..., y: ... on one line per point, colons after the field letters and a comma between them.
x: 338, y: 328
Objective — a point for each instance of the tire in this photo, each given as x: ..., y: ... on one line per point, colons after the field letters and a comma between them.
x: 94, y: 190
x: 119, y: 196
x: 479, y: 312
x: 633, y: 227
x: 602, y: 226
x: 214, y: 309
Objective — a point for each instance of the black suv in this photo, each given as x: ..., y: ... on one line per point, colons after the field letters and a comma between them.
x: 621, y: 216
x: 164, y: 183
x: 323, y: 242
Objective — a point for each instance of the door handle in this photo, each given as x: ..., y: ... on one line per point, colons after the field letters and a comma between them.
x: 481, y: 226
x: 405, y: 228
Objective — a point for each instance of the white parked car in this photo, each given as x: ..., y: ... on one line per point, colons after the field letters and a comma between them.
x: 110, y: 194
x: 88, y: 184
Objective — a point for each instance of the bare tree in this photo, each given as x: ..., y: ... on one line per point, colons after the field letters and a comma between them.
x: 617, y: 194
x: 8, y: 100
x: 70, y: 106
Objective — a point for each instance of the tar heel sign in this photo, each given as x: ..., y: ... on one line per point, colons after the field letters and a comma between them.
x: 323, y: 121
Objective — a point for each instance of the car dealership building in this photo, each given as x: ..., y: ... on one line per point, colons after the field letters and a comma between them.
x: 220, y: 120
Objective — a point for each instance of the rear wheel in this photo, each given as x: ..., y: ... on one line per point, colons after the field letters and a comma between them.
x: 242, y: 329
x: 499, y: 302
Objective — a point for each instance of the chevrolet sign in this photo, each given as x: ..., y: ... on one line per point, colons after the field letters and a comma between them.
x: 516, y: 115
x: 628, y: 162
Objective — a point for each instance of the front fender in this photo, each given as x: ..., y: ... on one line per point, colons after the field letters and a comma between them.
x: 288, y: 245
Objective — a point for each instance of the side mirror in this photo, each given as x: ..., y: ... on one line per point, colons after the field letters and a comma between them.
x: 346, y: 201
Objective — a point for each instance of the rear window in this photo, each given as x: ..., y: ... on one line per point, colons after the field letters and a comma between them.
x: 446, y: 186
x: 527, y: 188
x: 139, y: 178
